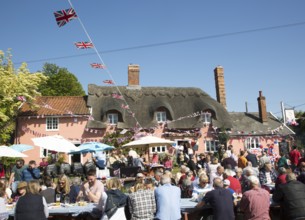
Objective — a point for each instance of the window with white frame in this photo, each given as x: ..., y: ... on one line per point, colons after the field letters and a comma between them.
x: 159, y: 149
x: 43, y: 152
x: 52, y: 123
x: 161, y: 116
x: 113, y: 118
x: 211, y: 145
x: 252, y: 142
x: 206, y: 117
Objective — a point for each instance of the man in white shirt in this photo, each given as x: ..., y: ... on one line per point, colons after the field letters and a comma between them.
x: 201, y: 188
x: 218, y: 174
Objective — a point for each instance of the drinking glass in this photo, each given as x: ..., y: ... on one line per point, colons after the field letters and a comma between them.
x: 67, y: 200
x: 58, y: 199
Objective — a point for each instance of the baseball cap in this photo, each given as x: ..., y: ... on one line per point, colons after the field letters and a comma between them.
x: 226, y: 182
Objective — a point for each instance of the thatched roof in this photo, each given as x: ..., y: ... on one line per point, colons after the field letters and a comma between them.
x: 145, y: 101
x: 249, y: 123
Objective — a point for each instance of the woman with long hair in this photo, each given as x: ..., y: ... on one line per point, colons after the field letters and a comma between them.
x: 116, y: 201
x: 32, y: 205
x: 63, y: 187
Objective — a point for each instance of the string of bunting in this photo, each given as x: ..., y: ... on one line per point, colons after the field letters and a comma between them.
x: 62, y: 18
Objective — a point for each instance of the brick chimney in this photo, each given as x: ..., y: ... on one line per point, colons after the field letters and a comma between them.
x: 262, y: 108
x: 220, y: 86
x: 133, y: 75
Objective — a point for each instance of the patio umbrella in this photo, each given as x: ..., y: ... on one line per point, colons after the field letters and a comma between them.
x: 21, y: 147
x: 90, y: 147
x: 149, y: 141
x: 55, y: 143
x: 10, y: 152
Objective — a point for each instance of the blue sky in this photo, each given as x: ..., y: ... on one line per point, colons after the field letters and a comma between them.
x: 271, y: 60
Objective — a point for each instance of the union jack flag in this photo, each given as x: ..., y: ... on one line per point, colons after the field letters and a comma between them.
x: 83, y: 45
x: 108, y: 81
x: 69, y: 112
x: 125, y: 106
x: 97, y: 65
x: 47, y: 106
x: 117, y: 96
x: 64, y: 16
x: 21, y: 98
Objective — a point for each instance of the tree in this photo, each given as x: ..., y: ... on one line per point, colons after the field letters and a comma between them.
x: 60, y: 82
x: 17, y: 87
x: 299, y: 129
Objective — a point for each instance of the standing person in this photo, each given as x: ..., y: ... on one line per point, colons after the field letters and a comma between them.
x: 2, y: 170
x: 32, y: 205
x: 31, y: 172
x: 92, y: 189
x: 167, y: 200
x: 294, y: 156
x: 168, y: 164
x: 43, y: 164
x: 291, y: 196
x: 192, y: 165
x: 255, y: 202
x: 242, y: 160
x: 155, y: 158
x: 253, y: 159
x: 221, y: 200
x: 282, y: 162
x: 16, y: 174
x: 263, y: 159
x: 142, y: 203
x: 99, y: 159
x: 228, y: 162
x: 218, y: 174
x: 202, y: 163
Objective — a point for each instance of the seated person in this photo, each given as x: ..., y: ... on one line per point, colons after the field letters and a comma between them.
x: 201, y: 188
x: 49, y: 192
x: 92, y: 189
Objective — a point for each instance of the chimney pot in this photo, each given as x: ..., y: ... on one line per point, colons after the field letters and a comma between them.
x: 262, y: 108
x: 220, y: 86
x: 133, y: 75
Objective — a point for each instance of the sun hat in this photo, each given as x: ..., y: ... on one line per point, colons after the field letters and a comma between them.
x: 22, y: 185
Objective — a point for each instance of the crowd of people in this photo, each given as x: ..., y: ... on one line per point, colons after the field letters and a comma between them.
x: 229, y: 184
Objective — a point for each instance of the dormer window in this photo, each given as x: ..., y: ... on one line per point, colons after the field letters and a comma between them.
x: 206, y: 117
x: 113, y: 118
x: 161, y: 116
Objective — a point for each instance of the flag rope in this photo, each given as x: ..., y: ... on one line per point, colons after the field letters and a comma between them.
x: 106, y: 69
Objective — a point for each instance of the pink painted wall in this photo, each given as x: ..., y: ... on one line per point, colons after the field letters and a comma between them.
x: 69, y: 127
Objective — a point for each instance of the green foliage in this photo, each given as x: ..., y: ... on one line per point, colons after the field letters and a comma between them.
x: 60, y: 82
x: 14, y: 83
x: 223, y: 136
x: 300, y: 128
x: 117, y: 139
